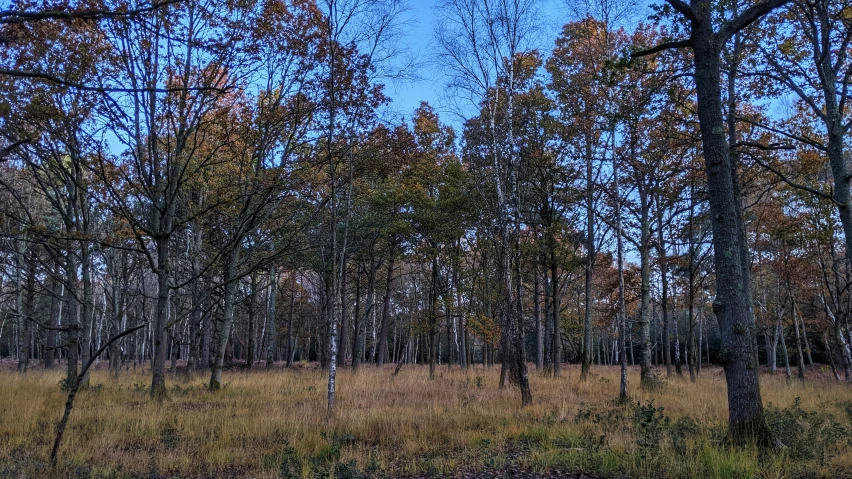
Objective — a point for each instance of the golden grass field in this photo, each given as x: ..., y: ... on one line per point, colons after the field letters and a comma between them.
x: 273, y: 423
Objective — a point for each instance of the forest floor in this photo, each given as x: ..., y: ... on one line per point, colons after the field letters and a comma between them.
x: 267, y: 424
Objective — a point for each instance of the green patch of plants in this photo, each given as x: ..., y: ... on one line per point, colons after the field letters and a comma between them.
x: 809, y: 435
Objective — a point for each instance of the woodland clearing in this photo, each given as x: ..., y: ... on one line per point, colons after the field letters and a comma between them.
x: 272, y: 423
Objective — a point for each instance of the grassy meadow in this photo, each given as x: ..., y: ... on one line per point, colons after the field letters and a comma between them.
x: 267, y: 424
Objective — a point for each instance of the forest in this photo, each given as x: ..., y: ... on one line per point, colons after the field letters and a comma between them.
x: 616, y: 253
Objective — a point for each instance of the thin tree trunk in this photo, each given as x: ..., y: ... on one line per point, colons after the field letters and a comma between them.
x: 383, y: 329
x: 231, y: 284
x: 72, y: 324
x: 539, y: 329
x: 589, y: 268
x: 556, y: 309
x: 622, y: 309
x: 53, y: 320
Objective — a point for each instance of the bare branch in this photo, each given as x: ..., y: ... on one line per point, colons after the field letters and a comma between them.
x: 6, y: 151
x: 661, y: 47
x: 792, y: 183
x: 78, y: 86
x: 8, y: 17
x: 684, y: 9
x: 749, y: 16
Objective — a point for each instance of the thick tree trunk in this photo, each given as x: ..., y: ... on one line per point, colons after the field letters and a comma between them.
x: 87, y: 310
x: 732, y: 303
x: 161, y: 318
x: 836, y: 129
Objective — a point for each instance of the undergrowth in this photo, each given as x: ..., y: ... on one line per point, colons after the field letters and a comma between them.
x: 269, y: 424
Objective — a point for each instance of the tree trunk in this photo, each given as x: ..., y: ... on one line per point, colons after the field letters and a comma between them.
x: 25, y: 299
x: 664, y: 279
x: 589, y: 267
x: 539, y: 330
x: 290, y: 343
x: 343, y: 350
x: 433, y: 319
x: 556, y: 347
x: 732, y: 303
x: 87, y: 310
x: 231, y: 284
x: 647, y: 376
x: 53, y: 320
x: 250, y: 327
x: 383, y: 328
x: 357, y: 320
x: 161, y: 318
x: 801, y: 363
x: 622, y: 309
x: 780, y: 326
x: 361, y: 342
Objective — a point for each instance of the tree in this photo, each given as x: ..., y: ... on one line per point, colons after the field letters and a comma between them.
x: 160, y: 121
x: 707, y: 38
x: 805, y: 50
x: 579, y: 76
x: 481, y: 40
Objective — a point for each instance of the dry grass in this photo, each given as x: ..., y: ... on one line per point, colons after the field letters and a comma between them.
x: 269, y: 424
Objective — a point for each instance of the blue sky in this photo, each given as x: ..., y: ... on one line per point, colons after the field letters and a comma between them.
x: 431, y: 85
x: 418, y: 35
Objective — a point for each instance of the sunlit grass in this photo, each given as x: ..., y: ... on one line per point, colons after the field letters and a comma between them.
x: 273, y: 423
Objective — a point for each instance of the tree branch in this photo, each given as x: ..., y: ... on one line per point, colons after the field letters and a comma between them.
x: 684, y: 9
x: 763, y: 147
x: 6, y: 151
x: 792, y: 183
x: 8, y: 17
x: 69, y: 403
x: 661, y: 47
x: 749, y: 16
x: 78, y: 86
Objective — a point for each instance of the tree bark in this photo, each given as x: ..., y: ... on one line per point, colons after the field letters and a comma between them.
x: 161, y: 318
x: 556, y: 309
x: 231, y: 284
x: 383, y: 328
x: 589, y: 268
